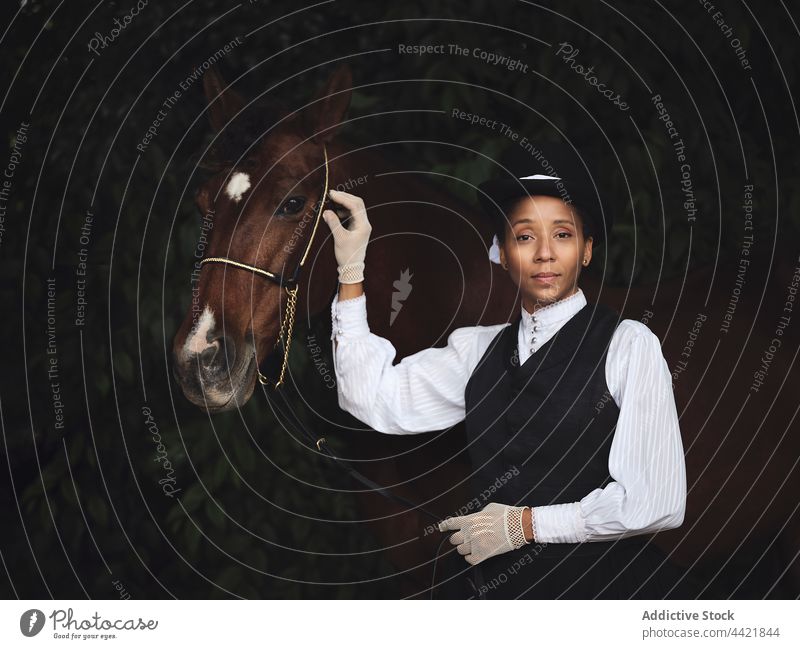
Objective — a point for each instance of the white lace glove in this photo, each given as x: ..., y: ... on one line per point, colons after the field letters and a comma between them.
x: 493, y: 530
x: 350, y: 246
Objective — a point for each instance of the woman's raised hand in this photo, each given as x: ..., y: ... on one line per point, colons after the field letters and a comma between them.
x: 350, y: 245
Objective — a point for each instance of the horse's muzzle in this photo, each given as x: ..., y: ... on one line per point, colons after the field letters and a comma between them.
x: 218, y: 378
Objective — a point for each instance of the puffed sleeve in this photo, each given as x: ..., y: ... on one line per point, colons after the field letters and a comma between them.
x: 423, y: 392
x: 646, y: 460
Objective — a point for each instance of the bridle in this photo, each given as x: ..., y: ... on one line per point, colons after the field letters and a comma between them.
x: 285, y: 337
x: 290, y: 284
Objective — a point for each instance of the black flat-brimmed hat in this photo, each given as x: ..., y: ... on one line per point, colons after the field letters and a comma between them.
x: 551, y: 169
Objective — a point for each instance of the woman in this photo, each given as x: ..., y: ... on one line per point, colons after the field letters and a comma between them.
x: 569, y: 412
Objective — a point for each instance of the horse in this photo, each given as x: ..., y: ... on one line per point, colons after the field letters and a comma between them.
x: 271, y: 168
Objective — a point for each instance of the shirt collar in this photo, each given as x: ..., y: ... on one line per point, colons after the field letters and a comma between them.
x: 554, y: 314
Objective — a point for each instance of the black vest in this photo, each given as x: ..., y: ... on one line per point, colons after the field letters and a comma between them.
x: 540, y: 433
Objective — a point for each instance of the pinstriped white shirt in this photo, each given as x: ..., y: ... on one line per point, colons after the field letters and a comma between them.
x: 425, y: 392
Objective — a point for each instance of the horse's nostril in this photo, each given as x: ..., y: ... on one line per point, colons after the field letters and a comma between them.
x: 209, y: 354
x: 218, y: 357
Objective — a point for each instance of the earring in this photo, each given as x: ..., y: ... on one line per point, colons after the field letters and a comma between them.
x: 505, y: 266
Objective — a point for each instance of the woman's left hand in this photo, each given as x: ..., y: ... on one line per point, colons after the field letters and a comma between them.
x: 493, y: 530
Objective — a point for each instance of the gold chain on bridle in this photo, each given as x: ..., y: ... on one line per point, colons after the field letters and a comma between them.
x: 285, y: 335
x: 291, y: 285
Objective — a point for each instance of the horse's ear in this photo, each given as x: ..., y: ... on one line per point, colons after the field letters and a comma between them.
x: 224, y: 102
x: 323, y: 116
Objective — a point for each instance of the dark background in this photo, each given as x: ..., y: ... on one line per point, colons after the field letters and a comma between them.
x: 81, y: 506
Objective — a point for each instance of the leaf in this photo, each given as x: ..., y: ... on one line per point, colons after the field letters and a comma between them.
x: 75, y: 448
x: 123, y: 366
x: 230, y: 577
x: 193, y: 498
x: 97, y: 509
x: 53, y: 473
x: 192, y: 537
x: 175, y: 518
x: 215, y: 513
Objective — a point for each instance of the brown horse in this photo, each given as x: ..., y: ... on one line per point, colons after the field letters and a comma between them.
x: 741, y: 453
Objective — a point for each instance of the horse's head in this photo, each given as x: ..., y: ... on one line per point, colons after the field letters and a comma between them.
x: 258, y: 209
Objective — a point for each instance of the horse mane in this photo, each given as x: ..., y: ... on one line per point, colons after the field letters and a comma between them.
x: 240, y: 139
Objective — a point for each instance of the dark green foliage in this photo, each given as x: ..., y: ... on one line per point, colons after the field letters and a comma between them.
x: 82, y: 505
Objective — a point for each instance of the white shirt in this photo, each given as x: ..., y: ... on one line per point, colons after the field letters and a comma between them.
x: 425, y: 392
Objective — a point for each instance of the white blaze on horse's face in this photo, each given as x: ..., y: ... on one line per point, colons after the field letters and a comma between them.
x: 239, y: 184
x: 196, y: 341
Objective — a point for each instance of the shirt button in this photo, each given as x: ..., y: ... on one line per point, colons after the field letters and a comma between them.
x: 340, y: 331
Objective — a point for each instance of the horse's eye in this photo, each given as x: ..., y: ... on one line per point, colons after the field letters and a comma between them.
x: 291, y: 205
